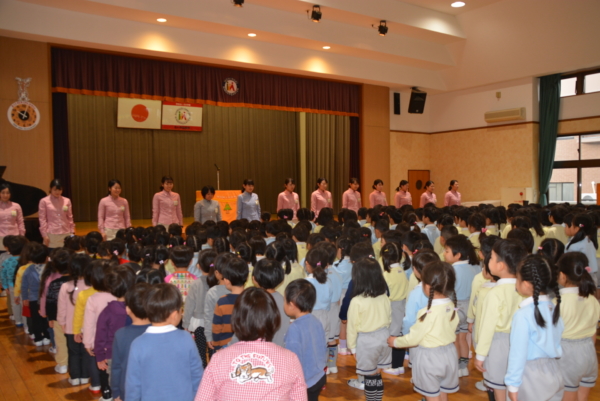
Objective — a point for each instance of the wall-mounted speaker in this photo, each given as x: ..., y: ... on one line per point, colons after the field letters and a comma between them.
x: 396, y: 103
x: 417, y: 101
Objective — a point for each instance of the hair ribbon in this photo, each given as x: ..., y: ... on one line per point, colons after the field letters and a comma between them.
x: 540, y: 248
x: 581, y: 225
x: 116, y: 252
x: 161, y: 262
x: 415, y: 252
x: 212, y: 265
x: 588, y: 269
x: 318, y: 264
x: 483, y: 230
x: 456, y: 309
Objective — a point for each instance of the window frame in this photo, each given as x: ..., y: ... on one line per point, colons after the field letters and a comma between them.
x: 580, y: 75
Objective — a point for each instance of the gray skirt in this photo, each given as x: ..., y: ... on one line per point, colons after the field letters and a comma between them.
x: 373, y: 352
x: 542, y: 381
x: 323, y: 316
x: 579, y: 363
x: 398, y: 309
x: 435, y: 370
x: 496, y: 362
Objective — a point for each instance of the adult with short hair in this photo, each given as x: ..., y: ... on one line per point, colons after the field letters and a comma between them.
x: 207, y: 208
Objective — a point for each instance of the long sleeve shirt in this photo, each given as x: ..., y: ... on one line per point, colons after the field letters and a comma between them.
x: 205, y: 210
x: 111, y: 319
x: 324, y: 293
x: 428, y: 197
x: 120, y: 353
x: 529, y: 341
x: 436, y: 330
x: 194, y: 306
x: 557, y: 231
x: 53, y: 276
x: 586, y: 247
x: 94, y: 306
x: 478, y: 280
x: 56, y: 216
x: 19, y: 279
x: 163, y: 364
x: 279, y: 336
x: 80, y: 305
x: 397, y: 282
x: 51, y: 302
x: 377, y: 198
x: 452, y: 198
x: 580, y: 315
x: 499, y: 306
x: 248, y: 206
x: 11, y: 219
x: 222, y: 331
x: 212, y: 296
x: 351, y: 200
x: 66, y: 308
x: 306, y: 338
x: 344, y: 268
x: 481, y: 294
x: 465, y: 273
x: 30, y: 287
x: 432, y: 232
x: 320, y: 199
x: 113, y: 213
x: 166, y: 208
x: 402, y: 198
x: 288, y: 200
x: 415, y: 302
x: 367, y: 314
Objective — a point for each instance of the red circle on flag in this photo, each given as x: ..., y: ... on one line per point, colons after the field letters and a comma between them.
x: 139, y: 113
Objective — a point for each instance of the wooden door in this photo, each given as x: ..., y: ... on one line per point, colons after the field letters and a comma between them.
x: 416, y: 182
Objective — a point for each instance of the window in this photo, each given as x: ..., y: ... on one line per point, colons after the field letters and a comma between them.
x: 580, y: 83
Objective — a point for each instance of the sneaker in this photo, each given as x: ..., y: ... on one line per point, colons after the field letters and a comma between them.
x: 470, y: 354
x: 84, y: 381
x: 19, y: 325
x: 409, y: 364
x: 331, y: 370
x: 46, y: 341
x: 26, y: 330
x: 463, y: 372
x: 74, y: 382
x: 344, y: 351
x: 62, y: 369
x: 480, y: 386
x: 94, y: 389
x: 38, y: 343
x: 394, y: 371
x: 32, y: 336
x: 52, y: 350
x: 105, y: 399
x: 406, y: 356
x: 356, y: 384
x: 11, y: 317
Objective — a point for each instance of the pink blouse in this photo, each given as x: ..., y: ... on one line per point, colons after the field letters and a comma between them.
x: 428, y: 197
x: 11, y: 219
x: 351, y: 200
x: 452, y: 198
x: 113, y: 213
x: 288, y: 200
x: 166, y: 209
x: 377, y: 198
x: 320, y: 199
x: 66, y: 309
x: 402, y: 198
x: 94, y: 306
x: 56, y: 216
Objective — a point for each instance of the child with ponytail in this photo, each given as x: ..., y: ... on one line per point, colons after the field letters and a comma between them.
x: 533, y: 371
x: 580, y: 312
x: 316, y: 267
x: 584, y: 239
x: 477, y: 229
x: 435, y: 360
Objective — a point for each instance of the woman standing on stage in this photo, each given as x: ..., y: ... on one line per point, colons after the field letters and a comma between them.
x: 207, y: 208
x: 11, y: 215
x: 452, y: 196
x: 113, y: 212
x: 56, y: 216
x: 288, y: 199
x: 402, y: 197
x: 428, y: 196
x: 321, y: 197
x: 248, y: 205
x: 166, y: 205
x: 351, y: 198
x: 377, y: 197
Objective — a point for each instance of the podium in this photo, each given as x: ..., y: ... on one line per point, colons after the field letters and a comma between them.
x: 227, y: 200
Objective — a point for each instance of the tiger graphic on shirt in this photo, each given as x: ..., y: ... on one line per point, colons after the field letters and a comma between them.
x: 252, y: 368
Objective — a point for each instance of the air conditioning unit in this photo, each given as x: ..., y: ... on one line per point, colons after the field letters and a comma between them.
x: 505, y: 115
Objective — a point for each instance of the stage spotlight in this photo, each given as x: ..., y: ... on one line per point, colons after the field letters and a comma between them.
x: 238, y: 3
x: 316, y: 15
x: 382, y: 28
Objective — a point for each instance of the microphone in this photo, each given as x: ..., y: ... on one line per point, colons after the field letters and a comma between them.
x: 217, y: 167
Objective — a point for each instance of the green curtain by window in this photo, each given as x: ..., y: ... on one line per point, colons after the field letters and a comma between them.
x: 245, y: 143
x: 328, y: 154
x: 549, y: 108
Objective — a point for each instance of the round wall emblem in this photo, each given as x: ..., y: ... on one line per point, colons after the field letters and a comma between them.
x: 183, y: 116
x: 231, y: 86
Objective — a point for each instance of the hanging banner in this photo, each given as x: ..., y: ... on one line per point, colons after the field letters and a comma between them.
x: 228, y: 202
x: 182, y: 116
x: 138, y: 113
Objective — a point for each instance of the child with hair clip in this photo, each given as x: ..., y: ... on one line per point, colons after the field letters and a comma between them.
x: 397, y: 284
x: 499, y: 306
x: 113, y: 317
x: 268, y: 275
x: 79, y: 280
x: 435, y: 362
x: 217, y: 290
x: 369, y: 319
x: 535, y: 338
x: 580, y: 312
x: 584, y: 239
x: 477, y: 229
x: 552, y: 248
x: 459, y: 252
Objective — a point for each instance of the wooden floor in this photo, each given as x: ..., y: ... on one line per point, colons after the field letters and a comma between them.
x: 27, y: 373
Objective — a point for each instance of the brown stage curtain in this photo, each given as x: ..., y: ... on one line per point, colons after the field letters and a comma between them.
x: 90, y: 73
x: 328, y: 153
x: 244, y: 143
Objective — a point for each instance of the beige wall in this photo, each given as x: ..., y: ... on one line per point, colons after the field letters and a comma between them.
x: 27, y: 154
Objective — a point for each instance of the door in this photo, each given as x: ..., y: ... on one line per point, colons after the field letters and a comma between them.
x: 416, y: 184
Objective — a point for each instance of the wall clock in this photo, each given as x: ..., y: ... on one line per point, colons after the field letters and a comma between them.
x: 23, y: 114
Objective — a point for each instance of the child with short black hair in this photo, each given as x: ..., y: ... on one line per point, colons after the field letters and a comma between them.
x: 446, y: 233
x: 163, y: 363
x: 30, y: 288
x: 181, y: 256
x: 217, y: 289
x: 268, y: 275
x: 14, y: 245
x: 300, y: 234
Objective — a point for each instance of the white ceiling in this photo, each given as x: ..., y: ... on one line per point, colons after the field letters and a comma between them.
x: 429, y: 44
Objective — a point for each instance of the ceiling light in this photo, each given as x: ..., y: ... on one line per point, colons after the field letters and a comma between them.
x: 238, y: 3
x: 326, y: 47
x: 252, y: 35
x: 316, y: 15
x: 161, y: 19
x: 382, y: 28
x: 458, y: 4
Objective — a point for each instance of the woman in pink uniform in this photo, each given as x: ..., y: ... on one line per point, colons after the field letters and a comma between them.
x: 452, y: 196
x: 402, y: 197
x: 377, y: 197
x: 166, y: 205
x: 113, y: 212
x: 288, y: 199
x: 428, y: 196
x: 351, y: 198
x: 56, y: 216
x: 11, y: 215
x: 321, y: 197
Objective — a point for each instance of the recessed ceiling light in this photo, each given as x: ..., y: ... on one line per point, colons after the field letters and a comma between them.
x: 326, y: 47
x: 161, y: 19
x: 458, y: 4
x: 252, y: 35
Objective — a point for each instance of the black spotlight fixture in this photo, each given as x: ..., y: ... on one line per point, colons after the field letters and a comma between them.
x: 316, y: 15
x: 238, y: 3
x: 382, y: 28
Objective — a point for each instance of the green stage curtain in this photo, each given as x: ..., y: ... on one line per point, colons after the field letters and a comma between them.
x: 549, y: 107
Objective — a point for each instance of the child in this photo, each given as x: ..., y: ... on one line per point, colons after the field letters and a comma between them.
x: 557, y: 230
x: 584, y: 239
x: 276, y: 251
x: 300, y: 234
x: 305, y: 336
x: 430, y: 216
x: 552, y: 248
x: 134, y: 301
x: 580, y: 312
x: 381, y: 227
x: 112, y: 318
x: 446, y: 233
x: 14, y: 246
x: 435, y: 362
x: 163, y: 363
x: 268, y: 275
x: 444, y: 221
x: 498, y: 308
x: 181, y: 256
x: 235, y: 273
x: 316, y: 267
x: 533, y: 369
x: 217, y: 290
x: 459, y: 252
x: 30, y: 288
x: 24, y: 263
x: 369, y: 319
x: 477, y: 229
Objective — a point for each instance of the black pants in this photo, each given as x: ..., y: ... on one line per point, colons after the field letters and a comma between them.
x: 78, y: 369
x: 93, y: 370
x: 40, y: 324
x: 105, y: 384
x: 398, y: 357
x: 314, y: 391
x: 200, y: 339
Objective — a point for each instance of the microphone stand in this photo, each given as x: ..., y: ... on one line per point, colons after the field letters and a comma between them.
x: 218, y: 183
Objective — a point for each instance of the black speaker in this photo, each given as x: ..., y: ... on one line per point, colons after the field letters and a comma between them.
x: 417, y: 101
x: 396, y: 103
